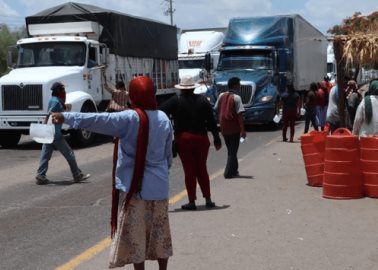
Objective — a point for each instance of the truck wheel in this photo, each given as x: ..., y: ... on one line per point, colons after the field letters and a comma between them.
x: 81, y: 137
x: 9, y: 139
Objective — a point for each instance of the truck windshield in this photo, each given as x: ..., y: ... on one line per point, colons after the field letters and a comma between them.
x: 51, y: 54
x: 198, y: 63
x: 245, y: 59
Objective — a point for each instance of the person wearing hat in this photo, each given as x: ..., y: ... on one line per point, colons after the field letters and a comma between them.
x: 193, y: 117
x: 366, y: 119
x: 143, y: 156
x: 57, y: 104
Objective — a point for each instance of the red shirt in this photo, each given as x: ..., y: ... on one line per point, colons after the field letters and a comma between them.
x: 321, y: 99
x: 228, y: 117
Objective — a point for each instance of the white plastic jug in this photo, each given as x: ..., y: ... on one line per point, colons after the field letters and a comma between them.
x: 277, y: 119
x: 42, y: 133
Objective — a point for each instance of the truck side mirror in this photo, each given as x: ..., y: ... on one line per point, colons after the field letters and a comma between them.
x: 104, y: 52
x: 11, y: 53
x: 208, y: 62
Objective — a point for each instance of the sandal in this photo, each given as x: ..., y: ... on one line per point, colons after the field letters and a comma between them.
x: 189, y: 206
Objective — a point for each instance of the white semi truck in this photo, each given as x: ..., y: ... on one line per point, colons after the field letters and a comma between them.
x: 198, y: 54
x: 73, y: 43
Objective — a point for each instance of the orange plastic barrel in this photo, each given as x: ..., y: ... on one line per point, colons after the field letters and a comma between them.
x: 342, y: 170
x: 369, y: 154
x: 312, y: 145
x: 369, y: 142
x: 369, y: 165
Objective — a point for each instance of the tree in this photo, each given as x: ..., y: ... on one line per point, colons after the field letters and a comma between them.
x: 356, y: 24
x: 8, y: 38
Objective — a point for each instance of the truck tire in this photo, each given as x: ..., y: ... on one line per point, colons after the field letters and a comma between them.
x: 9, y: 139
x: 81, y: 137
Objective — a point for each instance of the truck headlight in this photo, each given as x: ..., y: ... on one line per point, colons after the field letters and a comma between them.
x: 265, y: 99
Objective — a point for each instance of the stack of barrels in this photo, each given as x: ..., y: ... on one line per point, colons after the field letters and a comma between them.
x: 369, y: 165
x: 312, y: 145
x: 342, y: 169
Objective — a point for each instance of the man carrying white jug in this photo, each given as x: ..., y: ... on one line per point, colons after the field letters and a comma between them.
x: 57, y: 104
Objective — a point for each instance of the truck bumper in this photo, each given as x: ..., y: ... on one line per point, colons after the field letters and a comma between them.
x: 15, y: 122
x: 259, y: 115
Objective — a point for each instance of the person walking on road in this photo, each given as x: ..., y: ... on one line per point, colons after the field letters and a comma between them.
x: 290, y: 103
x: 310, y: 106
x: 230, y: 110
x: 57, y: 104
x: 366, y: 120
x: 193, y: 117
x: 141, y: 175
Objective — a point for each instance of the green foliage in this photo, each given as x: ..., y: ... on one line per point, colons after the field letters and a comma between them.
x: 356, y: 24
x: 8, y: 38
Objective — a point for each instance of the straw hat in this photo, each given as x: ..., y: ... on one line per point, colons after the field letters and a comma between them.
x: 187, y: 82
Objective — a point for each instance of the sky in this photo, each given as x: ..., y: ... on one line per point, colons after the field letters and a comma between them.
x: 196, y: 14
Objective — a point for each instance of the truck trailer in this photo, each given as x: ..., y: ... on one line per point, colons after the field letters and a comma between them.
x: 267, y: 54
x: 74, y: 43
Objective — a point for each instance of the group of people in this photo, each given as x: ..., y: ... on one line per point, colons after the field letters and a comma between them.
x: 145, y: 133
x: 321, y: 106
x: 143, y: 154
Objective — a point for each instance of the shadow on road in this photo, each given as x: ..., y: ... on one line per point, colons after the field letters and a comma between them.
x: 200, y: 208
x: 241, y: 177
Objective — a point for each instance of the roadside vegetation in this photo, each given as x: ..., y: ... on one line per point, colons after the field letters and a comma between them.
x: 8, y: 38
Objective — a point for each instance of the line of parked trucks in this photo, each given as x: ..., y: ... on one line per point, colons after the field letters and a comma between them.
x: 74, y: 42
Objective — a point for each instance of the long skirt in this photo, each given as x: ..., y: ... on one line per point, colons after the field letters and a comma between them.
x: 143, y: 233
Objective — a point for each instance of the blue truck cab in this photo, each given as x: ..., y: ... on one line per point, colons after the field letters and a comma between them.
x: 267, y: 53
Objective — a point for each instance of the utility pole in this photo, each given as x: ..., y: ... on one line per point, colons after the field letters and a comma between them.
x: 169, y: 11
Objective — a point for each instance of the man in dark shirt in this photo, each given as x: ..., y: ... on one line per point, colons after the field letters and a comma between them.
x: 192, y: 118
x: 310, y: 106
x: 290, y: 104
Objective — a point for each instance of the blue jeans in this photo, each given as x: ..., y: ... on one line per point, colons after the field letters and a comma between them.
x: 65, y: 149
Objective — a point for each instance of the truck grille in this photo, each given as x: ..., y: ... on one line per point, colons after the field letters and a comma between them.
x: 27, y: 98
x: 245, y: 92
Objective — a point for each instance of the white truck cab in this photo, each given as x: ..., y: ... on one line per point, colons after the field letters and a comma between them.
x: 76, y: 53
x: 194, y: 47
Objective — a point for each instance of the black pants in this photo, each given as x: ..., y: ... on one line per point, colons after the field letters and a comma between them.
x: 232, y: 143
x: 310, y: 116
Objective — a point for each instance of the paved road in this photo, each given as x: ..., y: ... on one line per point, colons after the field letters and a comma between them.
x: 268, y: 222
x: 42, y: 227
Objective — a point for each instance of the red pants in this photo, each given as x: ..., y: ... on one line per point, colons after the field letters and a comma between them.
x: 193, y: 150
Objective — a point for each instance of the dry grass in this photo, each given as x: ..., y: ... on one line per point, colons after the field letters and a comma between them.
x: 360, y: 49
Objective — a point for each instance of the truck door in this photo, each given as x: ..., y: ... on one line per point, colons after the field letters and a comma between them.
x: 283, y: 66
x: 94, y: 72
